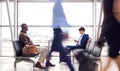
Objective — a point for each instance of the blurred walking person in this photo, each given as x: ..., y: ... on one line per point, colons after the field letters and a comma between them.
x: 59, y: 21
x: 110, y: 31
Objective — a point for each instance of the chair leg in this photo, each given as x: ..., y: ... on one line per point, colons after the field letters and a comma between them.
x: 33, y: 62
x: 15, y: 66
x: 73, y: 59
x: 33, y: 66
x: 100, y: 65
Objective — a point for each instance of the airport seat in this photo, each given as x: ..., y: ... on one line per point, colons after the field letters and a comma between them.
x: 92, y: 53
x: 18, y: 54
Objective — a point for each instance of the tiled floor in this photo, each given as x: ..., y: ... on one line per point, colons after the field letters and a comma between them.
x: 7, y: 64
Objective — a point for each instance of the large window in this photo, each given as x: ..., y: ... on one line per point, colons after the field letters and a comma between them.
x: 5, y: 35
x: 38, y: 17
x: 5, y: 22
x: 39, y: 14
x: 77, y: 13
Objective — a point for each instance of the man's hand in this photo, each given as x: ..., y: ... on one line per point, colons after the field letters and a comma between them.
x: 75, y: 40
x: 37, y: 45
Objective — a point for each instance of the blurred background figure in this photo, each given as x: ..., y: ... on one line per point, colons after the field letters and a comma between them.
x: 59, y: 21
x: 110, y: 31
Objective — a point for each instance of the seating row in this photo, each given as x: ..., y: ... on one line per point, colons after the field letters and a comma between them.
x: 88, y: 59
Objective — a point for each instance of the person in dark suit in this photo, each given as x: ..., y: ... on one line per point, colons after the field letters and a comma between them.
x: 58, y: 23
x: 81, y: 43
x: 57, y: 46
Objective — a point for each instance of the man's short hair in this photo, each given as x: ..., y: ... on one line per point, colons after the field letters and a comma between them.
x: 81, y: 29
x: 23, y: 24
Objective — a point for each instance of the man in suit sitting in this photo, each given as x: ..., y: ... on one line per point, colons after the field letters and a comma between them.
x: 81, y: 43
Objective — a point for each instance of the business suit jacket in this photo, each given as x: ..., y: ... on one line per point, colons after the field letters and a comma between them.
x: 83, y: 41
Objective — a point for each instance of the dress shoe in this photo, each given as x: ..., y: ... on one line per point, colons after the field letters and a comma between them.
x: 61, y: 60
x: 50, y: 64
x: 38, y: 65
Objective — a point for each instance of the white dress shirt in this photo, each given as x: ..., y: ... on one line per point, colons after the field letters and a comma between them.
x: 79, y: 41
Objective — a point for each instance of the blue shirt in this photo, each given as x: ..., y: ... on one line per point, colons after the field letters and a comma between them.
x: 59, y: 18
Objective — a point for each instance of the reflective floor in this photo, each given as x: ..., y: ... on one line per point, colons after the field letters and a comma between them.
x: 7, y: 64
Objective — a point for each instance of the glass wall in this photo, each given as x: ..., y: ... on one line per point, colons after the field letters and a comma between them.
x: 5, y: 21
x: 5, y: 35
x: 38, y: 17
x: 40, y: 14
x: 0, y: 28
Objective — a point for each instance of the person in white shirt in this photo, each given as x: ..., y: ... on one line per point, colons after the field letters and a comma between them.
x: 80, y: 43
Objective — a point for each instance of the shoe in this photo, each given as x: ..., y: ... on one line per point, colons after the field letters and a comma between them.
x: 38, y: 65
x: 50, y: 64
x: 61, y: 60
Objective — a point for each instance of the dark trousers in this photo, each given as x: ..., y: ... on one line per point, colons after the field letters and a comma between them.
x: 63, y: 56
x: 67, y: 51
x: 75, y: 49
x: 57, y: 46
x: 71, y: 47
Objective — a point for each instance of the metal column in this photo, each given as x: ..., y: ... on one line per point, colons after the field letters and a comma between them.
x: 0, y: 28
x: 94, y: 19
x: 9, y: 18
x: 15, y: 19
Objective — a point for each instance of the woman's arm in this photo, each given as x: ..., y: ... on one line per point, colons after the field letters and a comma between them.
x: 116, y: 10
